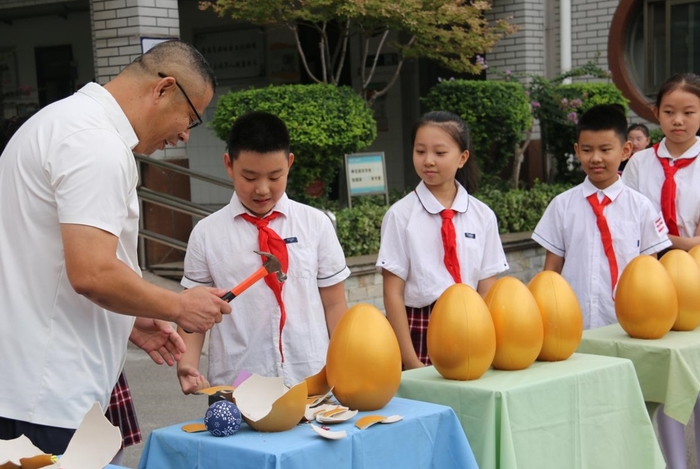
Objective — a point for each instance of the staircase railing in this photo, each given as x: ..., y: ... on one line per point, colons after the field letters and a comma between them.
x: 171, y: 202
x: 177, y: 204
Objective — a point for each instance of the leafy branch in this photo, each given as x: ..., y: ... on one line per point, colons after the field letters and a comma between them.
x: 447, y: 32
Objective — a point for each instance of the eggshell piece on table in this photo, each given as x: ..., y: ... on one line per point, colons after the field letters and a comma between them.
x: 267, y: 405
x: 317, y: 385
x: 328, y: 434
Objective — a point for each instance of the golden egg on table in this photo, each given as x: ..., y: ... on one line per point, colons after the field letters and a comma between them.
x: 685, y: 275
x: 461, y: 338
x: 646, y: 303
x: 695, y: 253
x: 518, y: 324
x: 363, y: 364
x: 562, y: 319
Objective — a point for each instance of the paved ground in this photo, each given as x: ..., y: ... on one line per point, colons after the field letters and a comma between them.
x: 159, y: 401
x: 156, y: 391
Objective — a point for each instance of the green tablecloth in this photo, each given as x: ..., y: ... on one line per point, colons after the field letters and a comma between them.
x: 584, y: 412
x: 668, y: 368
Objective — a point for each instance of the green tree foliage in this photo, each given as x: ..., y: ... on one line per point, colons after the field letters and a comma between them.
x: 449, y: 32
x: 497, y: 113
x: 325, y: 122
x: 557, y: 106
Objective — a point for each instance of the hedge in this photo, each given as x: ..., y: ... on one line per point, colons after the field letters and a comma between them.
x: 325, y: 122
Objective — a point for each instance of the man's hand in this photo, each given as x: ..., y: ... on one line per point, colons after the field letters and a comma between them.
x: 158, y: 339
x: 202, y: 307
x: 190, y: 379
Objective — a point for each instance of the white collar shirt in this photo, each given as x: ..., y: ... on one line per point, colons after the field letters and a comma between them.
x: 220, y: 253
x: 70, y: 163
x: 411, y: 244
x: 568, y: 229
x: 645, y: 174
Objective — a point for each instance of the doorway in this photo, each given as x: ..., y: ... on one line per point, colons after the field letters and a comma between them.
x: 55, y: 73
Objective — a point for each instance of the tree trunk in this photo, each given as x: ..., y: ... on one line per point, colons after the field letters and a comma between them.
x: 519, y: 157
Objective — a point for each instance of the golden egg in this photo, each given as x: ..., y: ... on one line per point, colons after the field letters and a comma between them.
x: 363, y: 364
x: 562, y: 319
x: 518, y: 324
x: 695, y: 253
x: 646, y: 303
x: 685, y: 275
x: 461, y: 338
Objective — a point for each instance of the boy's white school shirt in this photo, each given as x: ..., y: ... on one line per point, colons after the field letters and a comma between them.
x: 645, y: 174
x: 220, y: 253
x: 411, y: 244
x: 568, y: 229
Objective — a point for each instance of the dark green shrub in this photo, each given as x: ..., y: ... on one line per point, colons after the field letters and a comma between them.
x: 558, y: 107
x: 519, y: 210
x: 496, y: 112
x: 656, y: 135
x: 325, y: 122
x: 359, y: 227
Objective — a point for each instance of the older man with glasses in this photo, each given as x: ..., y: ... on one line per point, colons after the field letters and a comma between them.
x: 71, y: 292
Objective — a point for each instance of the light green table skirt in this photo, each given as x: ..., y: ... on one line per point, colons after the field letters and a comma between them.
x: 584, y: 412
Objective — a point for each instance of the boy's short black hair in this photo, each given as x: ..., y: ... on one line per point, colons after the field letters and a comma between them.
x: 257, y: 131
x: 604, y: 117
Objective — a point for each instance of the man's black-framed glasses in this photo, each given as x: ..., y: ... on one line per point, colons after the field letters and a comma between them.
x: 199, y: 120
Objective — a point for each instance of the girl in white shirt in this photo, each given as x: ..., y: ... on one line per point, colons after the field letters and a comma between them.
x: 416, y: 260
x: 668, y: 174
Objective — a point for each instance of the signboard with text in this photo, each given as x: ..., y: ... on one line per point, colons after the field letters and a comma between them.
x: 233, y: 53
x: 365, y: 175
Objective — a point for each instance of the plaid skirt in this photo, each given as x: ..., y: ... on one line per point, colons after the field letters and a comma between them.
x: 122, y: 414
x: 418, y: 327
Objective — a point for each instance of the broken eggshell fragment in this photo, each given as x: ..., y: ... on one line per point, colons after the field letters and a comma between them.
x: 317, y: 385
x: 267, y: 405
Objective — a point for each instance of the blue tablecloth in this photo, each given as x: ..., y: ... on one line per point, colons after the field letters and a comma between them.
x: 429, y: 436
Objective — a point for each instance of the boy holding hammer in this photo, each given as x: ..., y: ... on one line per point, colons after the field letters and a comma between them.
x: 276, y: 329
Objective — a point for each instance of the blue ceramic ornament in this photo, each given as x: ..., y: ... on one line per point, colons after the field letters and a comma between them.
x: 222, y: 418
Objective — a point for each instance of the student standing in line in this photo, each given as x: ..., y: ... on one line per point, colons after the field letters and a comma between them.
x: 276, y: 329
x: 437, y: 235
x: 638, y: 134
x: 593, y: 230
x: 668, y: 174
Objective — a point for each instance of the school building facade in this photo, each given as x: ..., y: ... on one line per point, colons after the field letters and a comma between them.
x: 49, y: 48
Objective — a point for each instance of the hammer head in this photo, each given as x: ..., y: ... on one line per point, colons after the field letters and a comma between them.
x: 272, y: 264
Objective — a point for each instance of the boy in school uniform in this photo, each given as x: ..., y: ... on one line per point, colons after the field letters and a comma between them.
x: 276, y: 329
x: 592, y: 231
